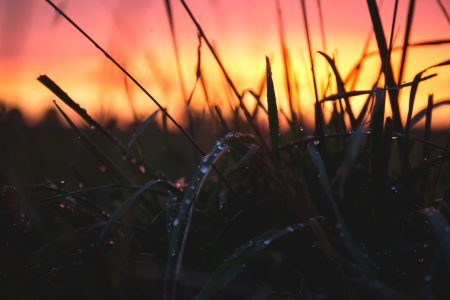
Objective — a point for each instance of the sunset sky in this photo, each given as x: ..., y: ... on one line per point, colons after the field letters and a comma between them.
x: 34, y: 40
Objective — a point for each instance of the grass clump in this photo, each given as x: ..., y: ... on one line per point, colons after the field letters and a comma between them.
x: 358, y: 209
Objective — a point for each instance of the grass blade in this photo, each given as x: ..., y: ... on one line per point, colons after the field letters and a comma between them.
x: 124, y: 206
x: 92, y: 147
x: 234, y: 263
x: 386, y: 63
x: 142, y: 128
x: 441, y: 229
x: 272, y: 108
x: 182, y: 222
x: 55, y: 89
x: 406, y: 39
x: 128, y: 74
x: 352, y: 247
x: 341, y: 89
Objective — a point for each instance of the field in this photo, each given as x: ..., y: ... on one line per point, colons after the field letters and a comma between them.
x: 251, y: 204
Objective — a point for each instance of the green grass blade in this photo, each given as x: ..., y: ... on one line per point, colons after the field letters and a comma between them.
x: 272, y: 108
x: 142, y: 128
x: 92, y: 147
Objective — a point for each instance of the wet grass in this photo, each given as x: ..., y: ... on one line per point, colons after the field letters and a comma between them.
x: 359, y: 207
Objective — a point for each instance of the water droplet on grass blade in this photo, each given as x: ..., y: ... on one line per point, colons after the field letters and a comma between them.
x: 142, y: 169
x: 289, y: 229
x: 204, y: 169
x: 102, y: 168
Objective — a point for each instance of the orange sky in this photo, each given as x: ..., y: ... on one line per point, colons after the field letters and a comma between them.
x: 34, y: 41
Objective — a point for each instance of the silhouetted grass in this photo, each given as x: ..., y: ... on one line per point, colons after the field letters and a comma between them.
x: 343, y: 213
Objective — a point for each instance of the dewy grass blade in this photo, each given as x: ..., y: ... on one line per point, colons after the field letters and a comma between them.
x: 122, y: 209
x: 92, y: 147
x: 181, y: 223
x: 52, y: 86
x: 441, y: 229
x: 352, y: 247
x: 272, y: 108
x: 142, y: 128
x: 234, y: 264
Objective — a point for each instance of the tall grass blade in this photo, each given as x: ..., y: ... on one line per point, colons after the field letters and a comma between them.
x: 376, y: 131
x: 341, y: 89
x: 407, y: 36
x: 427, y: 128
x: 92, y: 147
x: 350, y: 244
x: 128, y: 74
x: 228, y: 79
x: 444, y: 11
x: 318, y: 108
x: 181, y: 224
x: 169, y: 12
x: 140, y: 130
x: 272, y: 108
x: 286, y: 65
x: 386, y: 63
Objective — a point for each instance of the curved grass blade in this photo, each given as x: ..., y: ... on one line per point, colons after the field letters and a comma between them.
x: 441, y: 229
x: 345, y: 94
x: 235, y: 263
x: 181, y: 223
x: 272, y: 108
x: 142, y: 128
x: 92, y: 147
x: 352, y: 247
x: 341, y: 88
x: 421, y: 114
x: 125, y: 205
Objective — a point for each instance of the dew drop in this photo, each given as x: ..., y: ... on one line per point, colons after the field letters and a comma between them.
x: 142, y: 169
x: 301, y: 128
x: 289, y: 229
x: 81, y: 185
x: 266, y: 242
x: 176, y: 222
x: 102, y: 168
x: 62, y: 181
x: 204, y: 169
x: 92, y: 127
x: 316, y: 142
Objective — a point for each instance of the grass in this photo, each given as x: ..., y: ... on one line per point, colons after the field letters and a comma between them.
x: 358, y: 209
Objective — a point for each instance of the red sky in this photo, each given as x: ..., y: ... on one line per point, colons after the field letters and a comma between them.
x: 34, y: 41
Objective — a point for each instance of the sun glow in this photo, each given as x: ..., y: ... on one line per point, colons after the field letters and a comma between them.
x: 137, y: 34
